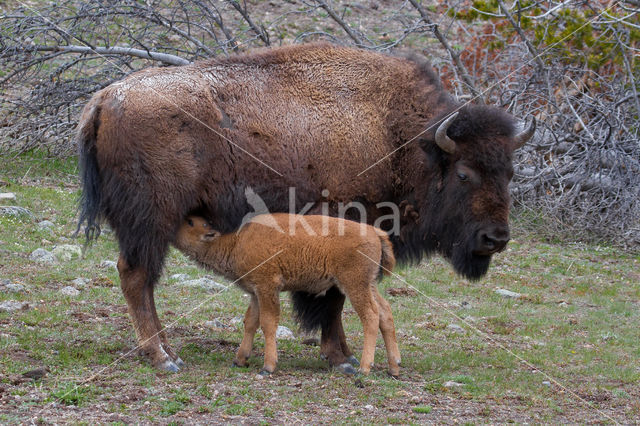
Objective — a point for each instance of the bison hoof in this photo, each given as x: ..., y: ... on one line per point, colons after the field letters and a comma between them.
x: 180, y: 363
x: 264, y: 373
x: 169, y: 366
x: 238, y: 364
x: 347, y: 369
x: 353, y: 361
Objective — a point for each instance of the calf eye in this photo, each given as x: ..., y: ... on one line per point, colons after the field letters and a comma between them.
x: 190, y: 222
x: 462, y: 176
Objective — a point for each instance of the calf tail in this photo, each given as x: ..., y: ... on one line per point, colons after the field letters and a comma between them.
x: 91, y: 199
x: 387, y: 259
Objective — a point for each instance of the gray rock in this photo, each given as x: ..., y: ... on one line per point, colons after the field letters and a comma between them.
x: 455, y: 327
x: 13, y: 305
x: 14, y: 288
x: 46, y: 225
x: 508, y: 293
x: 546, y: 383
x: 204, y: 283
x: 15, y: 211
x: 452, y: 384
x: 107, y: 264
x: 41, y: 255
x: 237, y: 321
x: 7, y: 196
x: 80, y: 282
x: 283, y: 332
x: 179, y: 277
x: 70, y: 291
x: 216, y: 323
x: 67, y: 252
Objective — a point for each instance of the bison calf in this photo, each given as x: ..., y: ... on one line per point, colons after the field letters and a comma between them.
x: 282, y: 252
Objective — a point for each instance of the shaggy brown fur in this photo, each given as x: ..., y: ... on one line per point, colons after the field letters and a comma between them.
x: 166, y: 142
x: 275, y: 253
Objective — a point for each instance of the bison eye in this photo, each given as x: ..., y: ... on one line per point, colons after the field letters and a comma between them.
x: 190, y: 222
x: 463, y: 177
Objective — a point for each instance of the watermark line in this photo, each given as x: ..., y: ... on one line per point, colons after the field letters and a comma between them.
x: 156, y: 92
x: 502, y: 80
x: 485, y: 335
x: 173, y: 323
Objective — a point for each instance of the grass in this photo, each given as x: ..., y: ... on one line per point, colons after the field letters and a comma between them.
x: 577, y: 322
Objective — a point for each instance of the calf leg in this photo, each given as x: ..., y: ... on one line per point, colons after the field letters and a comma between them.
x: 388, y: 330
x: 269, y: 306
x: 251, y: 323
x: 139, y: 295
x: 366, y: 307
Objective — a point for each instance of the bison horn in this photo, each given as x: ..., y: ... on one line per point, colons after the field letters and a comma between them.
x: 522, y: 138
x: 445, y: 142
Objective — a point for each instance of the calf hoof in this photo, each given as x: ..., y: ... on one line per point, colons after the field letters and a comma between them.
x: 169, y: 366
x: 264, y: 373
x: 347, y: 369
x: 353, y: 361
x: 238, y: 364
x: 394, y: 374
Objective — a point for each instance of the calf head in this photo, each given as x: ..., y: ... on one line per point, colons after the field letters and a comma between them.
x: 195, y: 230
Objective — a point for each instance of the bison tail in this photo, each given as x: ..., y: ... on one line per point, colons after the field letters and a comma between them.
x: 387, y: 259
x: 90, y: 201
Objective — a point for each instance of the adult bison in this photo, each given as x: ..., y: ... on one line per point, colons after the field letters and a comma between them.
x: 166, y: 142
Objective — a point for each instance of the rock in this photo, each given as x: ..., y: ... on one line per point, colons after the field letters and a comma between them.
x: 455, y: 327
x: 80, y: 282
x: 7, y: 196
x: 283, y: 332
x: 508, y: 293
x: 12, y: 306
x: 546, y: 383
x: 15, y: 211
x: 70, y: 291
x: 204, y: 283
x: 451, y: 384
x: 108, y: 264
x: 368, y: 407
x: 66, y: 252
x: 13, y: 288
x: 237, y: 321
x: 41, y: 255
x: 179, y: 277
x: 36, y: 374
x: 311, y: 341
x: 216, y: 323
x: 46, y: 225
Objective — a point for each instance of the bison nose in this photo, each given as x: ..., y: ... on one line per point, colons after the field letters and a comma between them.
x: 491, y: 240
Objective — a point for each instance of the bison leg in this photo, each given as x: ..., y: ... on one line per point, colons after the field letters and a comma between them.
x: 251, y: 324
x: 162, y: 332
x: 333, y: 342
x: 139, y: 295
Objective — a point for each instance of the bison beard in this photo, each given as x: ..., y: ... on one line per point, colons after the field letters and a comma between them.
x: 146, y: 164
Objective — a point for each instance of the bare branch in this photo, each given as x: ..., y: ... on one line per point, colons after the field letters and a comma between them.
x: 115, y: 50
x: 455, y: 57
